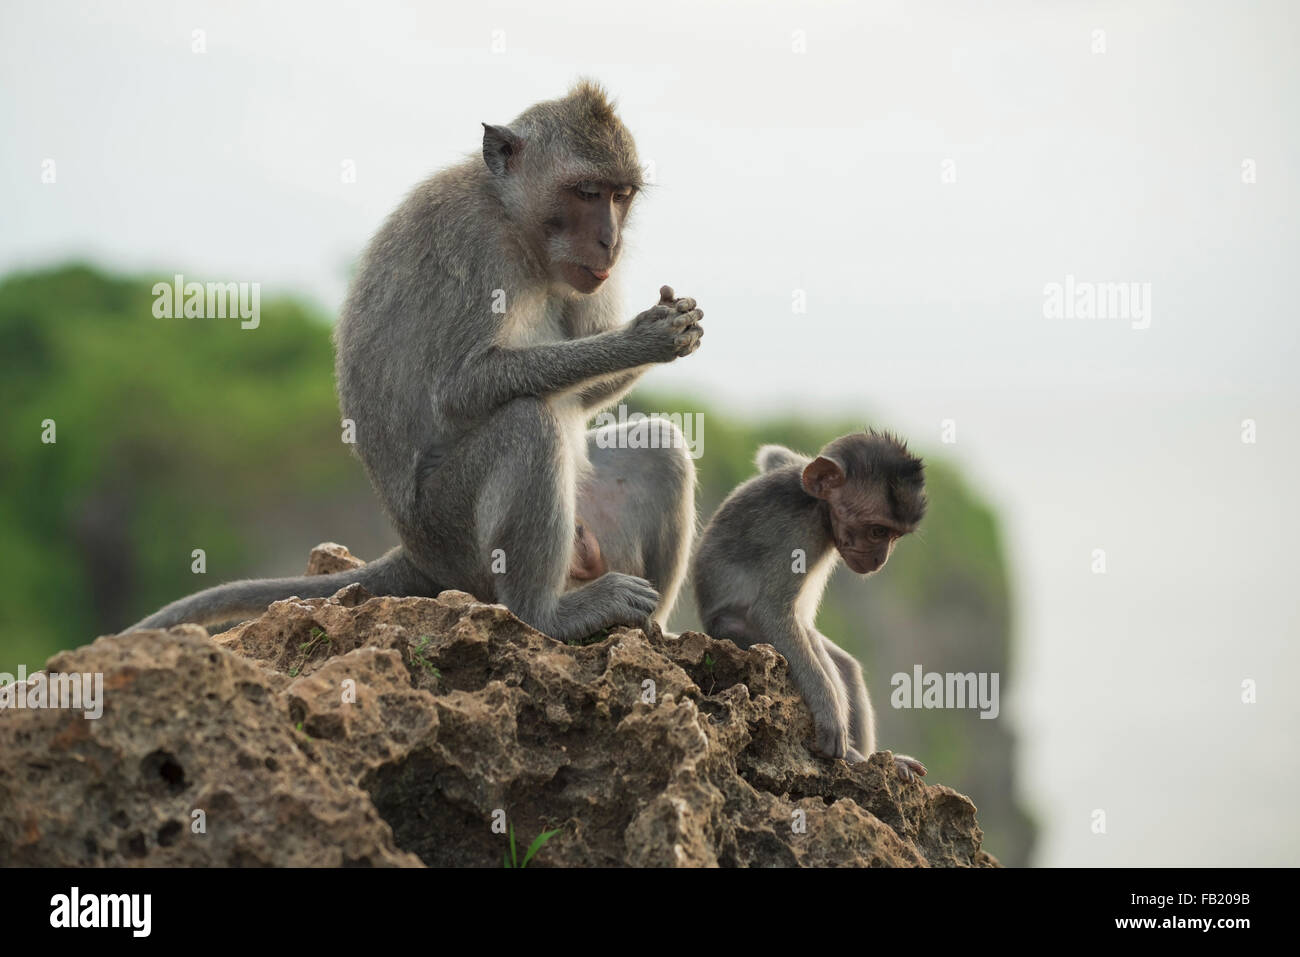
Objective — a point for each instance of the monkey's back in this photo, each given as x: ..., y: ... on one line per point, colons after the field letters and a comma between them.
x: 407, y: 318
x: 748, y: 542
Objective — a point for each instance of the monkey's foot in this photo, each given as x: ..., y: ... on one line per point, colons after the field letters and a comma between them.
x: 830, y: 740
x: 909, y: 769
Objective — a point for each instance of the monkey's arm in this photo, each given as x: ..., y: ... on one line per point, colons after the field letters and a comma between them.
x: 499, y: 374
x: 822, y: 691
x: 607, y: 391
x: 491, y: 377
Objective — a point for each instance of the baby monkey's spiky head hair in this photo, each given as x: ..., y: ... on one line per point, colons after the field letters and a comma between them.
x: 882, y: 458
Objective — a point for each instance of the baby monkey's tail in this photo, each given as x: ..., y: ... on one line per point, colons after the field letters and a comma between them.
x: 777, y: 456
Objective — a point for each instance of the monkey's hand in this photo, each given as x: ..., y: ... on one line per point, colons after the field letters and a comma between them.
x: 668, y: 330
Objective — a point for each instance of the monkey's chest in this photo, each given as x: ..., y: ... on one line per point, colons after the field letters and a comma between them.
x: 544, y: 323
x: 549, y: 324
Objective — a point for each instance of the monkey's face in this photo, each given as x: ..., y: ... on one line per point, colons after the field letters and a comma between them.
x: 865, y: 540
x: 862, y: 522
x: 584, y: 235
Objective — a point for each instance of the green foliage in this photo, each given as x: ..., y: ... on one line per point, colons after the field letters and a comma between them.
x: 172, y: 434
x: 510, y: 858
x: 420, y: 655
x: 307, y: 648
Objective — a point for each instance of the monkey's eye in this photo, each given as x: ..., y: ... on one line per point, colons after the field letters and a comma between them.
x: 623, y: 197
x: 877, y: 533
x: 586, y: 192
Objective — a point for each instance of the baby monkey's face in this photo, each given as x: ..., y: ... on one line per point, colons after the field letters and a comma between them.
x: 870, y: 510
x: 864, y: 534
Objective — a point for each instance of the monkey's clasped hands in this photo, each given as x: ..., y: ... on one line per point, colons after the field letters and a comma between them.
x: 670, y: 329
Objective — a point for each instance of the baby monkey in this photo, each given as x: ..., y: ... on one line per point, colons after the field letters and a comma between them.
x: 765, y: 557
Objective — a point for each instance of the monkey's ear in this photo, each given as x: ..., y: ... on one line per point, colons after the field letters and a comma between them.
x: 500, y: 146
x: 821, y: 475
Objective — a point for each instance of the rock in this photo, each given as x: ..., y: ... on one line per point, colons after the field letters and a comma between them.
x: 330, y: 557
x: 395, y: 731
x: 186, y: 727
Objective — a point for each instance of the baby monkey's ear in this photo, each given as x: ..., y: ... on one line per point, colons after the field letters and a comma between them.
x: 821, y: 476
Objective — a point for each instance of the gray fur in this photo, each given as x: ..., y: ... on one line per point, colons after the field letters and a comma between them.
x: 748, y: 587
x: 771, y: 457
x: 471, y: 372
x: 390, y: 575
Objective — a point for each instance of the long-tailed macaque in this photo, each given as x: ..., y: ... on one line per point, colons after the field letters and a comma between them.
x: 765, y: 558
x: 480, y: 335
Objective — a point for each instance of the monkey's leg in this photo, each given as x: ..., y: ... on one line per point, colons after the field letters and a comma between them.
x: 497, y: 519
x: 862, y: 717
x: 639, y: 502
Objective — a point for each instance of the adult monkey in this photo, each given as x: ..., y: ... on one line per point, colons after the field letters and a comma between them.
x: 479, y: 337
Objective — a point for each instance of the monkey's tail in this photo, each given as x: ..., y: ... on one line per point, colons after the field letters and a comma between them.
x: 393, y: 574
x: 771, y: 457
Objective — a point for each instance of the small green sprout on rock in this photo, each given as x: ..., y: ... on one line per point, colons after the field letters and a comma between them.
x: 318, y: 639
x: 511, y: 859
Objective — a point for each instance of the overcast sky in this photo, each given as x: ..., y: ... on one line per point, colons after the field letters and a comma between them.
x: 921, y: 172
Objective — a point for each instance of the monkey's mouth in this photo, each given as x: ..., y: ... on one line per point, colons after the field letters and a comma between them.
x: 585, y: 279
x: 859, y: 562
